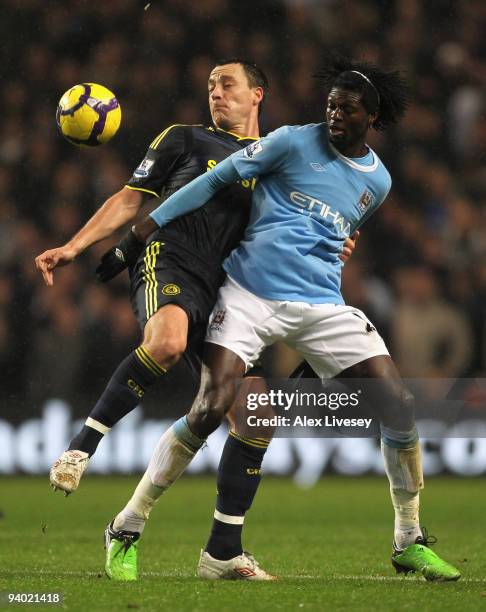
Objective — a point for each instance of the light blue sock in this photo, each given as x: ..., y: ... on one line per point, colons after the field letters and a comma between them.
x: 185, y: 435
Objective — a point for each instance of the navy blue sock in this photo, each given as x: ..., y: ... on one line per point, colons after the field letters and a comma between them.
x: 238, y: 480
x: 135, y: 374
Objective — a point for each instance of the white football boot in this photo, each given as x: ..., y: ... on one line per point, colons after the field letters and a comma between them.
x: 66, y: 472
x: 243, y: 567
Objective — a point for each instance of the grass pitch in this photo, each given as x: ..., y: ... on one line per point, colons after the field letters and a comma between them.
x: 330, y: 545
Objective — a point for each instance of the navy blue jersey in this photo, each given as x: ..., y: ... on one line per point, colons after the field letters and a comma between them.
x: 178, y: 155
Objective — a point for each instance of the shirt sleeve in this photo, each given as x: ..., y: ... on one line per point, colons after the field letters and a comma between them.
x: 162, y: 156
x: 196, y: 193
x: 264, y: 156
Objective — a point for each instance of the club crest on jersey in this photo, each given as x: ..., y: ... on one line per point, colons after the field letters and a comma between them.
x: 217, y: 320
x: 253, y: 149
x: 171, y: 289
x: 144, y: 168
x: 366, y: 199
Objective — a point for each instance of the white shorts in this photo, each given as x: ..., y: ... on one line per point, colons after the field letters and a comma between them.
x: 330, y: 337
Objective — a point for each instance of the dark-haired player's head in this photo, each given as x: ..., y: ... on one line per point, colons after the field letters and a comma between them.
x: 237, y: 89
x: 361, y: 96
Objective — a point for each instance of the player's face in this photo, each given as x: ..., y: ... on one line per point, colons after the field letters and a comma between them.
x: 231, y: 99
x: 347, y: 119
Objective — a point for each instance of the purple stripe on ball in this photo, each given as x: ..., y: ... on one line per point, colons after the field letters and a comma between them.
x: 99, y: 126
x: 83, y: 98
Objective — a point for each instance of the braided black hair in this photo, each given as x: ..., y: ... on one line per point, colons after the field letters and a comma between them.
x: 384, y: 93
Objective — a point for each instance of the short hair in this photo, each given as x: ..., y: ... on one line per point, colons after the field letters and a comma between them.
x: 255, y: 75
x: 382, y: 92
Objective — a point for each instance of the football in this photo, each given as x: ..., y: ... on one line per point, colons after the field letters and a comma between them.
x: 88, y: 115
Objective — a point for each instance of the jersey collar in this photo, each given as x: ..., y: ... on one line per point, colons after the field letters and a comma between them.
x: 353, y: 163
x: 237, y: 136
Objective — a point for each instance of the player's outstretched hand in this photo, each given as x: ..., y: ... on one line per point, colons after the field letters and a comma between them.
x: 121, y: 256
x: 349, y: 246
x: 53, y: 258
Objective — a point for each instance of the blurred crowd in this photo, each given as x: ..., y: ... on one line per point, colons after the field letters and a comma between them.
x: 420, y: 268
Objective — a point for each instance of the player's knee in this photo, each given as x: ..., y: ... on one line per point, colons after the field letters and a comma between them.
x: 173, y: 347
x: 212, y: 403
x: 166, y: 350
x: 205, y: 418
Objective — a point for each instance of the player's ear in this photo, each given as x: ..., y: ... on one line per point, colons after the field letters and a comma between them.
x: 258, y: 95
x: 371, y: 119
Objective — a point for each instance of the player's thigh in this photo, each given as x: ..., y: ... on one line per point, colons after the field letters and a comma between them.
x: 242, y: 322
x: 335, y: 338
x: 379, y: 367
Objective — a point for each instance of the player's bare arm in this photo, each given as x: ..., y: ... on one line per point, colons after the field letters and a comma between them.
x: 117, y: 210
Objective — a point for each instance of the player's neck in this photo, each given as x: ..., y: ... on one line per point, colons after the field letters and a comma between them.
x: 251, y: 128
x: 245, y: 129
x: 359, y: 149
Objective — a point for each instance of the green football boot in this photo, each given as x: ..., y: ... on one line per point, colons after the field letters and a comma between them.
x: 121, y: 554
x: 420, y: 558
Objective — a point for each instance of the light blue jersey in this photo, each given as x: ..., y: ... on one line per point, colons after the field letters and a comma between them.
x: 308, y: 199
